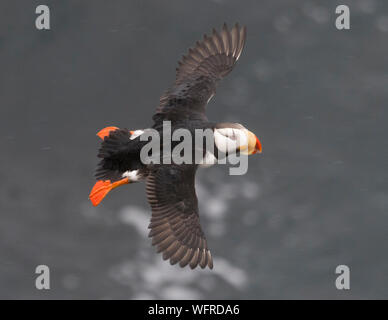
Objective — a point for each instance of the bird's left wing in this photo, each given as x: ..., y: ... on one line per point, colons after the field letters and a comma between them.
x: 198, y: 73
x: 175, y: 226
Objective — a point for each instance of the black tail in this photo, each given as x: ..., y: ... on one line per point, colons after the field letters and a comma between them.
x: 119, y: 154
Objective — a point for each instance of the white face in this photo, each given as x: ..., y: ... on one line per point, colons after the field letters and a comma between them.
x: 228, y: 140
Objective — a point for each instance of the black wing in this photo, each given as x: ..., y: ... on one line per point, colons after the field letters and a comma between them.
x: 198, y: 73
x: 175, y: 226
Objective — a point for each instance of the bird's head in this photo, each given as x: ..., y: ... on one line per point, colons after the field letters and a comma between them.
x: 234, y: 137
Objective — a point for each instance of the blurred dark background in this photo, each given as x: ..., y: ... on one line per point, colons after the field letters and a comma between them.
x: 314, y: 199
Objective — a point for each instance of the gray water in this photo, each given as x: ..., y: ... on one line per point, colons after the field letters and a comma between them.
x: 314, y: 199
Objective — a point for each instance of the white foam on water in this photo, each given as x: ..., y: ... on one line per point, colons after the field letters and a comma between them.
x: 137, y: 217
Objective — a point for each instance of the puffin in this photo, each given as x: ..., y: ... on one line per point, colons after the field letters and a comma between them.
x: 175, y: 226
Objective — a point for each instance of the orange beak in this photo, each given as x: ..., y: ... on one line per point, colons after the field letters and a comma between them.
x: 254, y: 144
x: 258, y: 148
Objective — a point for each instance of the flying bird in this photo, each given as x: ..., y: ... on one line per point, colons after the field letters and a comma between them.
x: 175, y: 223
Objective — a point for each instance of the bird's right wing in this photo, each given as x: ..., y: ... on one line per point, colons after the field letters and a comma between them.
x: 175, y: 226
x: 198, y: 73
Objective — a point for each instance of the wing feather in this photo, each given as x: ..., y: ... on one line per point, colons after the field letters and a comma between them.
x: 198, y: 73
x: 175, y: 225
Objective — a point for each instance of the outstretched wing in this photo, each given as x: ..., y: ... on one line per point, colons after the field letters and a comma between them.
x: 198, y: 73
x: 175, y: 226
